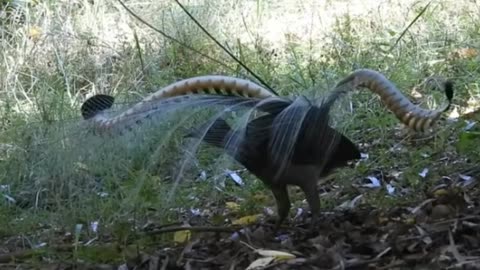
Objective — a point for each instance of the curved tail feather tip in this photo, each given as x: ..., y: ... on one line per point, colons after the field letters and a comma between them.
x: 413, y: 116
x: 448, y: 85
x: 96, y: 104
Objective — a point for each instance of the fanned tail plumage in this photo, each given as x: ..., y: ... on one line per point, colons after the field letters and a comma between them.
x: 413, y: 116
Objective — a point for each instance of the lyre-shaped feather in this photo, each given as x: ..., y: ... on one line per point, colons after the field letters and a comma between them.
x: 413, y: 116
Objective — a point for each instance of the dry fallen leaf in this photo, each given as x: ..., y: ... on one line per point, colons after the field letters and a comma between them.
x: 374, y: 182
x: 440, y: 193
x: 278, y: 255
x: 260, y: 197
x: 235, y: 177
x: 260, y: 263
x: 182, y: 236
x: 424, y: 173
x: 463, y: 53
x: 232, y: 206
x: 246, y: 220
x: 34, y: 33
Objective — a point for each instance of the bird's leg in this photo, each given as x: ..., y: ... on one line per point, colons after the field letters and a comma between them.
x: 282, y: 199
x: 313, y: 200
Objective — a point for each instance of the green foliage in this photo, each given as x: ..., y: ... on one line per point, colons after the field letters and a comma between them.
x: 468, y: 143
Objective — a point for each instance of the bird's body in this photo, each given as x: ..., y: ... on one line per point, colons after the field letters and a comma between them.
x: 317, y: 150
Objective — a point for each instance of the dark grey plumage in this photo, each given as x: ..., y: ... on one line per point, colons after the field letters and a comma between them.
x: 311, y: 148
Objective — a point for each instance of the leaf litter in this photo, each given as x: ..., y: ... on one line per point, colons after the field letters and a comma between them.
x: 442, y: 231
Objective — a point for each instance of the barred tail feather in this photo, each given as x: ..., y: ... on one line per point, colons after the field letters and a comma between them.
x: 411, y: 115
x: 215, y: 88
x: 95, y: 105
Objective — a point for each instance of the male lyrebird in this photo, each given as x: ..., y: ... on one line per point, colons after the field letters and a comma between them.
x: 291, y: 143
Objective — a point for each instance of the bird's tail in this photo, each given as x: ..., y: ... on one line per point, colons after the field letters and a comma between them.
x: 214, y: 133
x: 95, y: 105
x: 413, y: 116
x: 231, y: 88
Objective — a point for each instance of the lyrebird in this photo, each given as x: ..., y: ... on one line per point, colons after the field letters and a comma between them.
x: 291, y: 143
